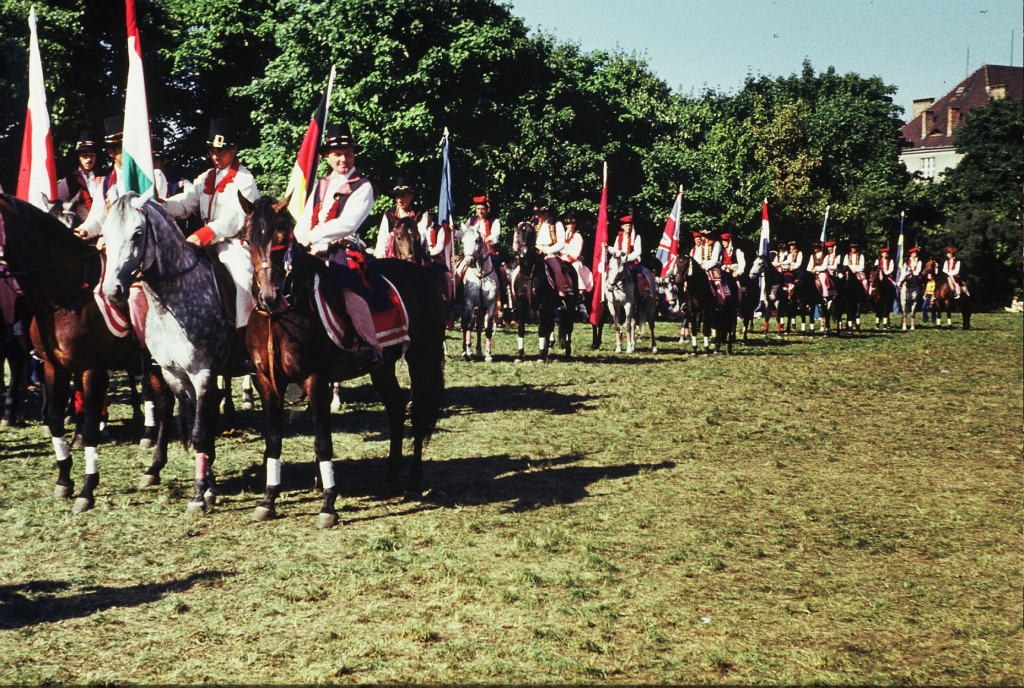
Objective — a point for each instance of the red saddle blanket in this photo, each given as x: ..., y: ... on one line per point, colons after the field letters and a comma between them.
x: 392, y: 325
x: 117, y: 318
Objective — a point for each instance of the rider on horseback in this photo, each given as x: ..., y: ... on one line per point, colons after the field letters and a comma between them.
x: 854, y: 260
x: 403, y: 193
x: 708, y: 254
x: 84, y: 179
x: 817, y: 264
x: 550, y: 242
x: 951, y: 267
x: 109, y: 187
x: 573, y: 251
x: 329, y: 226
x: 886, y: 267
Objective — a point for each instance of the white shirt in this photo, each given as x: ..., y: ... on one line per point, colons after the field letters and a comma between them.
x: 619, y: 245
x: 353, y: 215
x: 550, y: 238
x: 93, y: 224
x: 221, y: 211
x: 384, y: 232
x: 854, y: 261
x: 739, y: 262
x: 708, y: 255
x: 573, y: 248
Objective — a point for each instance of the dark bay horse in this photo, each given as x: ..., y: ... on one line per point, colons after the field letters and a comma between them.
x: 883, y: 293
x: 717, y: 324
x: 58, y: 272
x: 945, y: 297
x: 533, y: 293
x: 774, y: 299
x: 850, y: 295
x: 15, y: 322
x: 288, y: 344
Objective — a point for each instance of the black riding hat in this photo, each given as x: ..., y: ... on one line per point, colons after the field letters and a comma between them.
x: 338, y: 136
x: 403, y: 185
x: 86, y: 142
x: 113, y: 128
x: 222, y: 134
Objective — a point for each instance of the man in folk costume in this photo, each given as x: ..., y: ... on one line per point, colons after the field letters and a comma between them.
x: 793, y: 259
x: 550, y: 242
x: 489, y: 228
x: 951, y: 268
x: 84, y: 179
x: 573, y: 251
x: 329, y: 226
x: 854, y: 260
x: 733, y: 259
x: 817, y: 265
x: 708, y: 254
x: 439, y: 244
x: 214, y: 197
x: 778, y: 257
x: 112, y: 185
x: 403, y: 193
x: 886, y: 265
x: 832, y: 258
x: 627, y: 245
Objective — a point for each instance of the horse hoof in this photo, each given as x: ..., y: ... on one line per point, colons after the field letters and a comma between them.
x: 325, y: 521
x: 145, y: 443
x: 263, y: 513
x: 195, y: 508
x: 488, y: 358
x: 44, y: 430
x: 82, y: 504
x: 210, y: 498
x: 63, y: 491
x: 78, y: 440
x: 412, y: 496
x: 148, y: 480
x: 335, y: 406
x: 654, y: 350
x: 4, y: 423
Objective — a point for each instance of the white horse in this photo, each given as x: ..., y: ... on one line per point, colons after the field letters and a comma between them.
x: 479, y: 293
x: 620, y: 298
x: 187, y: 331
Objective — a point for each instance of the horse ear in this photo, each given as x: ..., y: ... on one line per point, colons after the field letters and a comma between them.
x: 245, y: 203
x: 138, y: 202
x: 283, y: 203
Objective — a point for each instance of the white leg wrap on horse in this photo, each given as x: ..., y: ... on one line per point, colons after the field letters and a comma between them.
x: 520, y: 343
x: 61, y: 449
x: 327, y: 474
x: 273, y: 472
x: 202, y: 464
x: 92, y: 460
x: 149, y: 411
x: 542, y: 342
x: 247, y: 383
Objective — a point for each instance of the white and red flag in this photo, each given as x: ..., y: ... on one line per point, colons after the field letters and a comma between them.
x: 668, y: 247
x: 600, y: 239
x: 37, y: 174
x: 137, y: 148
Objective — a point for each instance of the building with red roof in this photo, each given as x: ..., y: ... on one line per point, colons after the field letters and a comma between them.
x: 929, y: 133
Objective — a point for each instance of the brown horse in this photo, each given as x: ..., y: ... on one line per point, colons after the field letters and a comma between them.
x: 57, y: 272
x: 945, y: 297
x: 288, y: 344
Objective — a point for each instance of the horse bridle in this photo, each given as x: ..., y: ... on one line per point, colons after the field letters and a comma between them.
x: 139, y: 273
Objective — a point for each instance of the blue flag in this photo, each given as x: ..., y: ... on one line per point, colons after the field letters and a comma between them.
x: 445, y: 215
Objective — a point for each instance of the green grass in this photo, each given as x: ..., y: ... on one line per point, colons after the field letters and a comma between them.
x: 808, y: 511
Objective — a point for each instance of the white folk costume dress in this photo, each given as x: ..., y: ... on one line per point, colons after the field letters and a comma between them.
x: 951, y: 267
x: 571, y: 254
x: 388, y: 221
x: 214, y: 196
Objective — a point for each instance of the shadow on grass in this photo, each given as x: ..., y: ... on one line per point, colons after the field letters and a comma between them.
x: 28, y: 604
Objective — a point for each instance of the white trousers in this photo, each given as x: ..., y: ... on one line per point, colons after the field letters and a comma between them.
x: 235, y: 258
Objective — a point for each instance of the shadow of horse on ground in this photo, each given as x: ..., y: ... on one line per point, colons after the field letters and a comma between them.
x: 38, y: 602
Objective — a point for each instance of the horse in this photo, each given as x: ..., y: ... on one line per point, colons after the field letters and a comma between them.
x: 910, y: 298
x: 533, y: 292
x: 698, y: 303
x: 850, y: 294
x: 406, y: 242
x: 620, y: 296
x: 807, y: 296
x: 774, y: 299
x: 883, y: 293
x: 58, y: 271
x: 287, y: 342
x: 188, y: 331
x: 945, y: 297
x: 479, y: 293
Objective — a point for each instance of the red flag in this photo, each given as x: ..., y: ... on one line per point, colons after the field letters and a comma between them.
x: 600, y: 239
x: 37, y: 174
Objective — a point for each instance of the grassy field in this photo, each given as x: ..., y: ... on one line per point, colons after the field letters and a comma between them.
x: 808, y: 511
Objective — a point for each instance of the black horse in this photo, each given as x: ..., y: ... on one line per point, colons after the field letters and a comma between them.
x: 850, y: 295
x: 775, y: 298
x: 697, y: 301
x: 883, y: 294
x: 533, y: 292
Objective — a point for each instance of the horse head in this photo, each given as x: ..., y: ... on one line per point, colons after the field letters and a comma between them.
x: 474, y: 248
x: 130, y: 238
x: 68, y: 212
x: 406, y: 243
x: 526, y: 241
x: 268, y: 231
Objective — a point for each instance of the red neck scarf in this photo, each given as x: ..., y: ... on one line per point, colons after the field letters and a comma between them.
x: 211, y: 185
x: 86, y: 196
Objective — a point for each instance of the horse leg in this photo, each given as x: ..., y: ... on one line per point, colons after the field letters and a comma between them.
x: 521, y: 316
x: 58, y: 386
x: 160, y: 407
x: 18, y: 361
x: 273, y: 417
x: 94, y: 389
x: 335, y: 397
x: 386, y: 384
x: 203, y: 429
x: 489, y: 334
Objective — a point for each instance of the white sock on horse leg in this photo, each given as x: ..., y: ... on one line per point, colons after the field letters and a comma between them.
x: 247, y: 383
x: 327, y: 474
x: 61, y: 449
x: 273, y: 472
x: 92, y: 460
x: 149, y: 411
x: 520, y: 343
x: 542, y: 343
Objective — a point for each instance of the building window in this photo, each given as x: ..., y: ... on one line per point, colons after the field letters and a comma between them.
x: 928, y: 168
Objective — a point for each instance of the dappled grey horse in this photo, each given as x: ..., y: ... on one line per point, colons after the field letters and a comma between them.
x: 479, y: 293
x: 188, y: 333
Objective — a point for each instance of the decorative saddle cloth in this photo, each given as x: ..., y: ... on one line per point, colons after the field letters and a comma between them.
x: 392, y: 324
x: 117, y: 318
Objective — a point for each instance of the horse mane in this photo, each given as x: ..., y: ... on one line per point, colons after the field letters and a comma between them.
x: 261, y: 221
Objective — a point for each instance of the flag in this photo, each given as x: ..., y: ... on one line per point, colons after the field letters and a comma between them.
x: 669, y: 244
x: 600, y: 238
x: 445, y: 207
x: 899, y: 266
x: 137, y: 148
x: 824, y: 225
x: 303, y: 176
x: 764, y: 250
x: 37, y: 174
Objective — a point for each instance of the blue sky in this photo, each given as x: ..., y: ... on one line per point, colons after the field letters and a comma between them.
x: 920, y: 47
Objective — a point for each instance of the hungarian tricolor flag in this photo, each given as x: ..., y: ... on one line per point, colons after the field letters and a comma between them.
x: 300, y: 184
x: 37, y: 174
x: 668, y: 247
x: 137, y: 149
x: 600, y: 239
